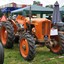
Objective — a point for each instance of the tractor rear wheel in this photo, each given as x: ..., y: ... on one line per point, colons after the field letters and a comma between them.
x: 0, y: 29
x: 17, y: 36
x: 7, y: 34
x: 59, y: 48
x: 18, y: 25
x: 61, y: 35
x: 27, y: 46
x: 0, y: 24
x: 1, y: 54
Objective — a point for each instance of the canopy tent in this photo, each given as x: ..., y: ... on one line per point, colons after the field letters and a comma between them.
x: 34, y: 9
x: 19, y: 10
x: 8, y: 9
x: 62, y: 10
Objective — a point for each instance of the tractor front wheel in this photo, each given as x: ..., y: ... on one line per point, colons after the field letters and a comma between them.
x: 1, y: 54
x: 27, y: 46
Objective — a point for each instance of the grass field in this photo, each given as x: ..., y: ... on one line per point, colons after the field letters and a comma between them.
x: 43, y: 56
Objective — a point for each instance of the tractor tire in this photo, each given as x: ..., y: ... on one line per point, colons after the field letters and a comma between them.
x: 60, y: 26
x: 0, y: 29
x: 17, y: 36
x: 1, y: 54
x: 59, y: 48
x: 18, y: 25
x: 27, y: 46
x: 7, y: 34
x: 62, y: 42
x: 0, y: 24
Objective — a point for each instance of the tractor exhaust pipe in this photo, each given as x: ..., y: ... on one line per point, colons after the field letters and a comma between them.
x: 30, y: 14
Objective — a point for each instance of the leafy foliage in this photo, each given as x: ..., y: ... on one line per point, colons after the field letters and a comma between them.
x: 50, y: 6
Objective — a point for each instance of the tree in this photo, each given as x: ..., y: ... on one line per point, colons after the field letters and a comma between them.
x: 36, y: 2
x: 63, y: 6
x: 50, y: 6
x: 1, y: 13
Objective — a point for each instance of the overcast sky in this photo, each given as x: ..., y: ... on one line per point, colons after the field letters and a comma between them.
x: 44, y: 2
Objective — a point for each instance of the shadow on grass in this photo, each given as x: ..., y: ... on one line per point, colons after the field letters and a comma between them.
x: 45, y: 52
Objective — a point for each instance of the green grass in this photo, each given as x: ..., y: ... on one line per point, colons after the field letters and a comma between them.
x: 43, y: 55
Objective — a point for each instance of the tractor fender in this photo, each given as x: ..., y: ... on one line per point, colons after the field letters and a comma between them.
x: 14, y: 25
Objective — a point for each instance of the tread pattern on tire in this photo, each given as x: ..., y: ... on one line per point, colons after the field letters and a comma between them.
x: 18, y: 25
x: 62, y: 39
x: 61, y: 36
x: 1, y: 54
x: 17, y: 37
x: 31, y: 43
x: 10, y: 32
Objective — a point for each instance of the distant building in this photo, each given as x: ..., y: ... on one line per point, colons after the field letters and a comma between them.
x: 7, y: 8
x: 13, y: 5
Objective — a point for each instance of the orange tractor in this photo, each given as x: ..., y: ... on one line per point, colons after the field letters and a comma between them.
x: 38, y: 31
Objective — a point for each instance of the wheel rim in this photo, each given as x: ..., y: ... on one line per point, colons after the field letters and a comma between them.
x: 24, y: 48
x: 56, y: 48
x: 3, y: 35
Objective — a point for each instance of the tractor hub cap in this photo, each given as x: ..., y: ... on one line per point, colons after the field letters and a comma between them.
x: 24, y: 47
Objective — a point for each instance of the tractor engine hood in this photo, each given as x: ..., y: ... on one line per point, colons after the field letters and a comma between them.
x: 42, y: 28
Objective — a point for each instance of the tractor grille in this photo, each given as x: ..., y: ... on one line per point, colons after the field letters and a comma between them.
x: 46, y: 28
x: 43, y: 28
